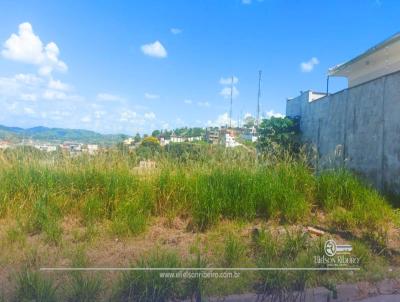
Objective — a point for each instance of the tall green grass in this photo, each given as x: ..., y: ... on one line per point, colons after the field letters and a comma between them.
x: 40, y: 191
x: 352, y: 205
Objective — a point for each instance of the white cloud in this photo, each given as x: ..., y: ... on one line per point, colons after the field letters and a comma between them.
x: 58, y: 85
x: 155, y: 49
x: 86, y: 119
x: 28, y: 79
x: 29, y: 87
x: 127, y: 115
x: 19, y: 85
x: 226, y: 92
x: 99, y: 113
x: 188, y: 102
x: 29, y: 110
x: 272, y: 113
x: 176, y: 31
x: 228, y: 81
x: 28, y: 97
x: 203, y: 104
x: 229, y: 84
x: 24, y: 47
x: 149, y: 116
x: 309, y: 65
x: 151, y: 96
x: 222, y: 120
x: 52, y: 94
x: 103, y: 96
x: 27, y: 47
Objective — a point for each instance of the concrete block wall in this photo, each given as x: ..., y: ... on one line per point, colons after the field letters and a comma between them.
x: 358, y: 128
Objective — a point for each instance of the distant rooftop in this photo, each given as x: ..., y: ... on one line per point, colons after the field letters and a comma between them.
x: 382, y: 59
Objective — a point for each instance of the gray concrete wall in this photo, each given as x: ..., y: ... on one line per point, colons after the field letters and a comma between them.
x: 358, y: 128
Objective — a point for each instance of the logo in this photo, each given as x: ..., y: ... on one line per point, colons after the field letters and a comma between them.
x: 330, y: 248
x: 336, y: 255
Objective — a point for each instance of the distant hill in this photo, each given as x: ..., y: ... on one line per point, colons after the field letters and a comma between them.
x: 59, y: 135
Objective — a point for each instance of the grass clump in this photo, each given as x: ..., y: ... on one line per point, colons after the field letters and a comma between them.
x: 129, y: 218
x: 289, y: 250
x: 84, y: 288
x: 44, y: 217
x: 31, y: 286
x: 16, y: 235
x: 234, y: 251
x: 353, y: 206
x: 148, y: 285
x: 283, y: 191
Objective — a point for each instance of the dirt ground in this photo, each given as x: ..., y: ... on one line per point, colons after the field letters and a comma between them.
x: 105, y: 250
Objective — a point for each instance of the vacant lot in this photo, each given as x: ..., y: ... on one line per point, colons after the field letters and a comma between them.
x: 208, y: 207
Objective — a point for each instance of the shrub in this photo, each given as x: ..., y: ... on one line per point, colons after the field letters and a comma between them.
x: 151, y: 142
x: 282, y: 132
x: 184, y: 152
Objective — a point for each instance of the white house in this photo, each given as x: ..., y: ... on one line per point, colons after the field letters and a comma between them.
x: 177, y: 139
x: 5, y: 144
x: 229, y: 141
x: 194, y: 138
x: 92, y: 149
x: 46, y: 147
x: 250, y: 135
x: 164, y: 141
x: 382, y: 59
x: 71, y: 147
x: 129, y: 141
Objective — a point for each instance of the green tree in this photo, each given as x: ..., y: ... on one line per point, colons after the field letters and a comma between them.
x: 249, y: 121
x: 150, y: 141
x: 149, y: 148
x: 137, y: 138
x: 156, y: 133
x: 280, y: 132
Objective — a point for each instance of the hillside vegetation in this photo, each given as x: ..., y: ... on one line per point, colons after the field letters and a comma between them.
x: 59, y: 135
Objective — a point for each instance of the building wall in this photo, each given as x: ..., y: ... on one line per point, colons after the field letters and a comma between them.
x: 358, y: 128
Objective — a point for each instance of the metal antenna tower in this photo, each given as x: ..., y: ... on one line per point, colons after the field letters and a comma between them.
x: 230, y: 110
x: 258, y: 98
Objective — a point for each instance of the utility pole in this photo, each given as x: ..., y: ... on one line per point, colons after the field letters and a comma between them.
x: 258, y: 98
x: 327, y: 85
x: 230, y: 111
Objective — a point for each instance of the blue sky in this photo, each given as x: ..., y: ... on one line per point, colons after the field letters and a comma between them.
x: 134, y: 66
